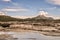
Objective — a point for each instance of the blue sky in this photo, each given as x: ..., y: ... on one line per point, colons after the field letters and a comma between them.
x: 30, y: 7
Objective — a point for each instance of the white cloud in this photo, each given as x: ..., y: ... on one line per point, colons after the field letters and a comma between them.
x: 23, y: 17
x: 51, y: 8
x: 14, y: 9
x: 43, y: 13
x: 56, y: 17
x: 55, y: 2
x: 15, y: 4
x: 6, y: 0
x: 2, y: 13
x: 46, y: 14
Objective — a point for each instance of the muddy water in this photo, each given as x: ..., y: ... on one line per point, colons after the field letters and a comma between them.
x: 30, y: 36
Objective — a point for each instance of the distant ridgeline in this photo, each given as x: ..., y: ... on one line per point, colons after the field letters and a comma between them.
x: 8, y: 18
x: 5, y: 18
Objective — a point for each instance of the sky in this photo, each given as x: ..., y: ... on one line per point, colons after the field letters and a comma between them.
x: 30, y: 7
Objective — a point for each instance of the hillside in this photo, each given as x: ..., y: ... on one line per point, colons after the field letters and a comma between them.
x: 39, y: 19
x: 8, y: 18
x: 43, y: 17
x: 34, y: 19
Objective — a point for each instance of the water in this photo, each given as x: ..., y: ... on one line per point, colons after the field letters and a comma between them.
x: 30, y: 36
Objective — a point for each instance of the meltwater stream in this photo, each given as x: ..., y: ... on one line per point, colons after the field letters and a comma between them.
x: 30, y: 36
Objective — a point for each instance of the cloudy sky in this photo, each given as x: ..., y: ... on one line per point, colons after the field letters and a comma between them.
x: 30, y: 7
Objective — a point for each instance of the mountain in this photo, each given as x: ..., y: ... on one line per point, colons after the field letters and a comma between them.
x: 8, y: 18
x: 42, y: 17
